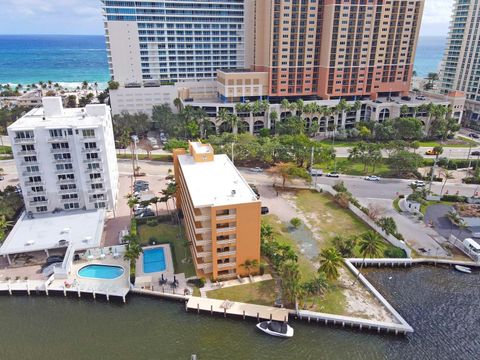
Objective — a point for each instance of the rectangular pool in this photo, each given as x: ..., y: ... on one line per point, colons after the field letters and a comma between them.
x: 154, y: 260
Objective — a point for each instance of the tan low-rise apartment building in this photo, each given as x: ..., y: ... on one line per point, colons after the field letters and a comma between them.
x: 221, y: 212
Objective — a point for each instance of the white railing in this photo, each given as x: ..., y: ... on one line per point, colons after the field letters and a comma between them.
x: 226, y: 265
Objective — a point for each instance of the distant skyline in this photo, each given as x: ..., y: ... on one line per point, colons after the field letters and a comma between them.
x: 83, y: 17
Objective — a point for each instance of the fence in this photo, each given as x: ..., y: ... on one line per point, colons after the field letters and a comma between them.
x: 465, y: 249
x: 364, y: 217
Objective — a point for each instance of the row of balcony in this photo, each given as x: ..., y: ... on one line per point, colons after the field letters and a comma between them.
x: 24, y: 140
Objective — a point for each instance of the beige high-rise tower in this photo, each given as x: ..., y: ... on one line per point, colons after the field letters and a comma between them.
x: 333, y: 48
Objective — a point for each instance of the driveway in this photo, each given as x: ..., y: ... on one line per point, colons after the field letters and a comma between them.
x: 437, y: 216
x: 417, y: 234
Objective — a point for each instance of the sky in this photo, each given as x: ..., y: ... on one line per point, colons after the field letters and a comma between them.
x: 84, y: 17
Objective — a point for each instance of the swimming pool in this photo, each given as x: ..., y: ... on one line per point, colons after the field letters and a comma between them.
x: 154, y: 260
x: 108, y: 272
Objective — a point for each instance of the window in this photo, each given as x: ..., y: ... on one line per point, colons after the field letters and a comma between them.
x: 88, y: 133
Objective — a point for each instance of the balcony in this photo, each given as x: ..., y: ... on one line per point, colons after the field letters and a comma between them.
x: 61, y: 161
x: 65, y: 181
x: 53, y: 139
x: 36, y: 193
x: 60, y: 150
x: 38, y: 202
x: 89, y: 150
x: 226, y: 265
x: 202, y: 230
x: 92, y: 170
x: 94, y: 191
x: 68, y: 200
x: 29, y: 163
x: 26, y: 152
x: 89, y: 161
x: 31, y: 173
x: 226, y: 217
x: 89, y: 138
x: 67, y: 191
x: 92, y: 199
x: 226, y: 229
x: 63, y: 171
x: 24, y: 140
x: 227, y: 242
x: 34, y: 183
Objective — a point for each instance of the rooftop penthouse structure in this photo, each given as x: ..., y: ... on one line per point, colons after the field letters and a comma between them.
x: 221, y: 212
x: 65, y: 158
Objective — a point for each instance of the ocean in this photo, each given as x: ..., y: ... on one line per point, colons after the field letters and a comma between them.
x: 26, y: 59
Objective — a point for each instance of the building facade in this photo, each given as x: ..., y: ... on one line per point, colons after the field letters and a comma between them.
x: 330, y: 49
x: 65, y: 158
x: 460, y: 68
x: 221, y: 212
x: 163, y: 41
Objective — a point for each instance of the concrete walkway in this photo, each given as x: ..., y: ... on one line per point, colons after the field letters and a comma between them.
x: 209, y: 286
x: 416, y: 233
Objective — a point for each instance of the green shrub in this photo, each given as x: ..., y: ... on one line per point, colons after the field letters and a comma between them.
x: 454, y: 198
x: 340, y: 187
x: 296, y: 222
x: 395, y: 252
x: 152, y: 222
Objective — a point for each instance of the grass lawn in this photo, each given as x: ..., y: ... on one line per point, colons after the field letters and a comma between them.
x: 168, y: 233
x: 349, y: 167
x: 5, y: 149
x: 396, y: 206
x: 329, y: 219
x: 333, y: 301
x: 261, y: 293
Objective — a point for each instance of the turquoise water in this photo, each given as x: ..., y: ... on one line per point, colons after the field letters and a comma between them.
x: 101, y: 271
x: 27, y: 59
x: 429, y: 54
x: 154, y: 260
x: 74, y: 58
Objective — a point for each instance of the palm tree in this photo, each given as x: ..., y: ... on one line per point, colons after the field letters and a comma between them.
x: 447, y: 175
x: 454, y: 218
x: 249, y: 265
x: 370, y: 245
x: 223, y: 115
x: 177, y: 103
x: 291, y: 281
x: 4, y: 225
x: 131, y: 202
x: 315, y: 286
x: 133, y: 251
x: 330, y: 261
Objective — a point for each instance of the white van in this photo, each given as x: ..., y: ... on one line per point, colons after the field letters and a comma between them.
x: 472, y: 245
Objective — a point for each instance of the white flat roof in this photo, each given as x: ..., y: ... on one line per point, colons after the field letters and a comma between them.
x: 69, y: 118
x: 44, y: 231
x: 215, y: 183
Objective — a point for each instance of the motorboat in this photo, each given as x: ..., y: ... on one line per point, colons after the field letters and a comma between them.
x: 276, y: 328
x: 463, y: 269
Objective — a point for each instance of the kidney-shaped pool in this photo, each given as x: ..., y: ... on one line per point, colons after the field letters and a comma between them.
x: 101, y: 271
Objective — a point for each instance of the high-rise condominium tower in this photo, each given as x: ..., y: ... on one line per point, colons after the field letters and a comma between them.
x: 164, y: 41
x: 461, y: 63
x: 334, y: 48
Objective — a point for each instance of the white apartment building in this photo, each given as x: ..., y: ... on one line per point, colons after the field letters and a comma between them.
x: 164, y: 41
x: 65, y: 158
x: 460, y: 69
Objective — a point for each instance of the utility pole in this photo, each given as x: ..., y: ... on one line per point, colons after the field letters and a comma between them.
x: 233, y: 156
x: 433, y: 174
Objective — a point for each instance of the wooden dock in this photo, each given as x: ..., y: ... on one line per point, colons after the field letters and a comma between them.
x: 227, y: 307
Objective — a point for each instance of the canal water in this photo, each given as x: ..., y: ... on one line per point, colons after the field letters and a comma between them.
x: 442, y: 306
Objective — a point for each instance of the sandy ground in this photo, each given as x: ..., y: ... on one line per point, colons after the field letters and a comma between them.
x: 359, y: 301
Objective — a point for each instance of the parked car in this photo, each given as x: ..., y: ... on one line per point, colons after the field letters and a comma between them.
x: 372, y: 178
x: 1, y: 178
x: 54, y: 259
x: 163, y: 138
x: 145, y: 214
x: 153, y: 142
x: 316, y: 172
x: 418, y: 183
x: 142, y: 210
x: 475, y: 153
x: 420, y: 97
x: 406, y: 98
x: 256, y: 169
x: 264, y: 210
x: 474, y: 136
x: 139, y: 188
x: 333, y: 174
x: 432, y: 152
x: 140, y: 182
